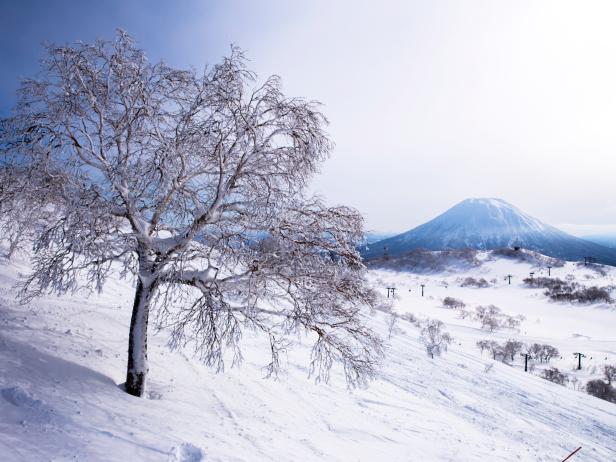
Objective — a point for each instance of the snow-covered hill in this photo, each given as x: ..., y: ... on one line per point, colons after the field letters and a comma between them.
x: 61, y: 360
x: 490, y: 224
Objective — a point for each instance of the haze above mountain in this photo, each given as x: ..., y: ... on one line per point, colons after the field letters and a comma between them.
x: 490, y: 223
x: 607, y: 240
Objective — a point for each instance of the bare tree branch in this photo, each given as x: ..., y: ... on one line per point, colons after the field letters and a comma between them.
x: 194, y: 183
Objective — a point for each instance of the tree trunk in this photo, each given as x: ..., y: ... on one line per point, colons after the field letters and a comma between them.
x: 137, y: 368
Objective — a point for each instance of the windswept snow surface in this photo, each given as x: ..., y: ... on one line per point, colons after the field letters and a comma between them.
x: 61, y: 360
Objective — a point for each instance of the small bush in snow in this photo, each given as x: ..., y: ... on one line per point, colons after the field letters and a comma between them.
x: 410, y: 317
x: 610, y: 373
x: 451, y: 302
x: 593, y: 294
x: 464, y: 313
x: 547, y: 283
x: 569, y: 291
x: 600, y: 389
x: 554, y: 375
x: 480, y: 283
x: 434, y: 338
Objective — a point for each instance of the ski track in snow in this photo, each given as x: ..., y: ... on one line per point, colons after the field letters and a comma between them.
x: 61, y: 360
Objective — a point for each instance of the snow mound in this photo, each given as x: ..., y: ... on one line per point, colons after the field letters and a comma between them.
x: 186, y: 452
x: 20, y: 404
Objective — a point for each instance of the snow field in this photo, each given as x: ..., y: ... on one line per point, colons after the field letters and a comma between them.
x: 61, y: 360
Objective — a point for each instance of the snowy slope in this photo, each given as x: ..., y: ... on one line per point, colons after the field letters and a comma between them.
x: 62, y: 358
x: 490, y: 224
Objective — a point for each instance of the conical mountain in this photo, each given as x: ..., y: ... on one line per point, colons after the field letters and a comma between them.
x: 488, y: 223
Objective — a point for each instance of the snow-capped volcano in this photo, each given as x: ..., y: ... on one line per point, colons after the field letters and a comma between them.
x: 488, y: 223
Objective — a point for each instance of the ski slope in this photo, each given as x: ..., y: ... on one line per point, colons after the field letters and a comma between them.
x: 61, y: 360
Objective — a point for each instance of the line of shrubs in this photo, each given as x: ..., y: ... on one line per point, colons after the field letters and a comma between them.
x: 490, y: 316
x: 480, y: 283
x: 507, y: 351
x: 598, y: 388
x: 570, y: 291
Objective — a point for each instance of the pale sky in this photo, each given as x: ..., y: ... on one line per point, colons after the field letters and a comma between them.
x: 430, y: 102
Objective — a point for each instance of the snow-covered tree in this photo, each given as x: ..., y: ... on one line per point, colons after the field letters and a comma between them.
x: 610, y: 373
x: 548, y: 352
x: 489, y: 316
x: 496, y: 349
x: 193, y: 182
x: 512, y: 347
x: 483, y: 345
x: 536, y: 351
x: 434, y: 338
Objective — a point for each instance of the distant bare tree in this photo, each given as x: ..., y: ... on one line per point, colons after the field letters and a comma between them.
x: 548, y: 352
x: 543, y: 352
x: 610, y: 373
x: 535, y: 350
x: 504, y: 352
x: 513, y: 322
x: 512, y: 347
x: 496, y: 349
x: 434, y: 338
x: 483, y: 345
x: 195, y: 184
x: 463, y: 313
